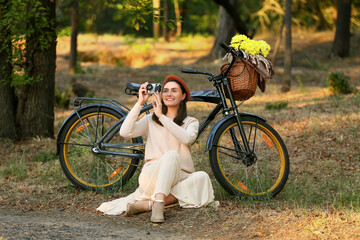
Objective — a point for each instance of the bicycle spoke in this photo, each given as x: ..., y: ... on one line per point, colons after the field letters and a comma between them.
x: 226, y: 148
x: 80, y: 134
x: 253, y: 149
x: 93, y: 127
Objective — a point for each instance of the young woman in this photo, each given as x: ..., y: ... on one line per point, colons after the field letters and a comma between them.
x: 168, y: 173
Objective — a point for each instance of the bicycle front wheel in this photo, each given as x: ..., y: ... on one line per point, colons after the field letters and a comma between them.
x: 261, y: 174
x: 84, y: 167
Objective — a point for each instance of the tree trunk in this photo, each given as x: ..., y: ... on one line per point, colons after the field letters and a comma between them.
x: 278, y: 42
x: 341, y: 44
x: 177, y: 13
x: 286, y: 84
x: 74, y: 36
x: 35, y: 114
x: 225, y: 30
x: 231, y: 8
x: 156, y: 25
x: 166, y: 17
x: 7, y: 95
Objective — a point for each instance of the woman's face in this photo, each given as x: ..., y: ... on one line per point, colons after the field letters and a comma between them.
x: 172, y: 94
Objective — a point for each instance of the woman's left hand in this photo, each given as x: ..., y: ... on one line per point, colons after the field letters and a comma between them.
x: 157, y: 105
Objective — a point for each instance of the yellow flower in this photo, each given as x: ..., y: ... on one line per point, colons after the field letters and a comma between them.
x: 264, y: 48
x: 235, y: 45
x: 250, y: 46
x: 237, y: 39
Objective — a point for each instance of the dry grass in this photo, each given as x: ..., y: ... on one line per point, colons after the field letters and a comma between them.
x: 321, y: 199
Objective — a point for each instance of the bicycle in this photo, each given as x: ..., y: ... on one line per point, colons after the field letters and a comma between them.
x: 247, y: 156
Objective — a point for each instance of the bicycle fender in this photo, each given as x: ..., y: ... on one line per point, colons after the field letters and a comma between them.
x: 119, y: 110
x: 210, y: 96
x: 210, y: 141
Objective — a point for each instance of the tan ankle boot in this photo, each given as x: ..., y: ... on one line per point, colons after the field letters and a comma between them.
x: 137, y: 207
x: 157, y: 215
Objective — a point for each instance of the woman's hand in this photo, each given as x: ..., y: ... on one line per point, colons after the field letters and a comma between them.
x: 143, y: 95
x: 157, y: 105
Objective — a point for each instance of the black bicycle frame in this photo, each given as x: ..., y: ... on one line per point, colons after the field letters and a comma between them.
x: 103, y: 143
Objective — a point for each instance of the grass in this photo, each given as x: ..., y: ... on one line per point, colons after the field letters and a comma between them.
x: 44, y: 157
x: 276, y: 105
x: 15, y: 169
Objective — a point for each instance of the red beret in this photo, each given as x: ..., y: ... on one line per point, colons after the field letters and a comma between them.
x: 181, y: 82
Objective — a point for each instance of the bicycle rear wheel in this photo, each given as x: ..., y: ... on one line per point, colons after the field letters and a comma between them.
x: 261, y: 175
x: 84, y: 167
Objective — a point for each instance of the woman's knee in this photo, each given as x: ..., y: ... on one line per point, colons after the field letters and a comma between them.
x: 200, y: 175
x: 171, y: 156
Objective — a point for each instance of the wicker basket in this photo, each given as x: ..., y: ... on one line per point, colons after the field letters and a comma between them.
x: 243, y: 80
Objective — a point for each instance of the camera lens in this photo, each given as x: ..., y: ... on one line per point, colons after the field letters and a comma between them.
x: 149, y: 87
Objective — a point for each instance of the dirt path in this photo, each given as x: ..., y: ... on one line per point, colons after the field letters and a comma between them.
x: 230, y: 221
x: 70, y: 225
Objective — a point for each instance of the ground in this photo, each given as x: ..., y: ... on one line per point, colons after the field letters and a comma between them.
x: 320, y: 200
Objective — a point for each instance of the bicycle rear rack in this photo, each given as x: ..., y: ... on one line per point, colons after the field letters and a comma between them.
x: 79, y: 101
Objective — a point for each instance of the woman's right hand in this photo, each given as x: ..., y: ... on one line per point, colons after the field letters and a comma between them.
x: 143, y: 95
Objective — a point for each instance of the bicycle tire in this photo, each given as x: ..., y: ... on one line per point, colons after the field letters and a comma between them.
x: 262, y: 176
x: 83, y: 167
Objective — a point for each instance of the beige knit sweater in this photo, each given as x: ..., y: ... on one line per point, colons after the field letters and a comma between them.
x: 161, y: 139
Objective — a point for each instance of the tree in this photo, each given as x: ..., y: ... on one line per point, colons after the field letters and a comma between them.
x: 7, y: 94
x: 341, y: 44
x: 229, y: 22
x: 178, y: 15
x: 286, y: 81
x: 225, y: 30
x: 231, y: 8
x: 32, y: 35
x: 166, y: 17
x: 156, y: 24
x: 74, y: 35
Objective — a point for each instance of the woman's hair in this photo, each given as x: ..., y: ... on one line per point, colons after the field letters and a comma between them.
x: 182, y: 111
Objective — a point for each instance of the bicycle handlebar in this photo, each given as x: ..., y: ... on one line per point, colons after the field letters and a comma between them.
x: 226, y: 47
x: 193, y: 71
x: 231, y: 50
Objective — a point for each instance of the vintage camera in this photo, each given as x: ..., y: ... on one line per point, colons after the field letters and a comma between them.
x: 153, y: 88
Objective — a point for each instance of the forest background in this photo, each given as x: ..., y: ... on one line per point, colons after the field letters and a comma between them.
x: 117, y: 43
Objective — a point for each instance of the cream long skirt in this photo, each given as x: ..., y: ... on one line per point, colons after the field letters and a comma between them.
x: 193, y: 190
